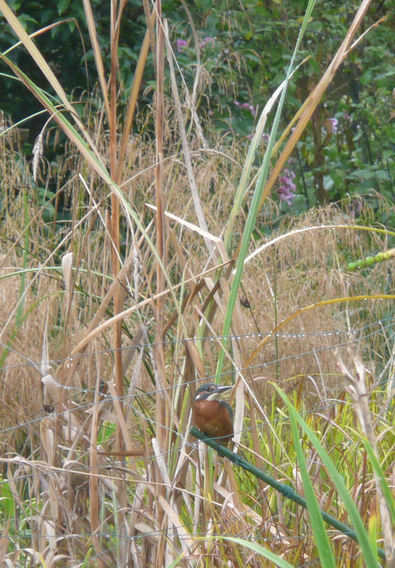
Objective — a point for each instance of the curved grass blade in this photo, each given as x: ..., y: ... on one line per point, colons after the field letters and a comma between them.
x: 389, y: 499
x: 368, y: 553
x: 325, y: 550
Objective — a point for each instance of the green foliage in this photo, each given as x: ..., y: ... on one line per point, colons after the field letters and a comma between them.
x: 244, y: 50
x: 106, y: 432
x: 67, y: 48
x: 7, y: 502
x: 369, y: 552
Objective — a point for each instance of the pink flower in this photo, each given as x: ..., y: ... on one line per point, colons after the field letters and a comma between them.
x: 287, y: 188
x: 207, y: 40
x: 246, y: 106
x: 181, y: 43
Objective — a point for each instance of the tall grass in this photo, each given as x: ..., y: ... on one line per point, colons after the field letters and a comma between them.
x: 125, y: 309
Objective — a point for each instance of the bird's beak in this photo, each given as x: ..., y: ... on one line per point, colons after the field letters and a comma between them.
x: 223, y: 388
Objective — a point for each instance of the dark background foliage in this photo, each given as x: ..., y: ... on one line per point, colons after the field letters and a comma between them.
x: 67, y: 48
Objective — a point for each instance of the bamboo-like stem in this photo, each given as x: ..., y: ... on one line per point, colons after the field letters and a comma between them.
x: 115, y: 206
x: 115, y: 172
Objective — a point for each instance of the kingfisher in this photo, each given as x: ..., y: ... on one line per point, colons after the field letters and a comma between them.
x: 213, y: 417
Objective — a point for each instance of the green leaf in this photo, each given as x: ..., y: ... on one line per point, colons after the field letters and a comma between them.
x: 383, y: 482
x: 277, y: 560
x: 7, y: 502
x: 62, y: 6
x: 106, y: 432
x: 317, y: 524
x: 368, y: 552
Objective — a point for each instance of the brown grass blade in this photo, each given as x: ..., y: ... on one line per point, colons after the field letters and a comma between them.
x: 309, y: 106
x: 90, y: 20
x: 132, y: 102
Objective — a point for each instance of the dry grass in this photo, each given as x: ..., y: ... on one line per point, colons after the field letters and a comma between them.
x: 300, y: 270
x: 102, y: 361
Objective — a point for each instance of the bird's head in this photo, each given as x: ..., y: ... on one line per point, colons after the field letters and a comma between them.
x: 210, y: 391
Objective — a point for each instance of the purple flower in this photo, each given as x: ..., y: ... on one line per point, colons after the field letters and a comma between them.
x: 246, y: 106
x: 207, y: 40
x: 181, y: 43
x: 287, y: 188
x: 286, y: 196
x: 334, y: 124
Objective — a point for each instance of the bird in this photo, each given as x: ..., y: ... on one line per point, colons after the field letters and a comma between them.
x: 213, y: 417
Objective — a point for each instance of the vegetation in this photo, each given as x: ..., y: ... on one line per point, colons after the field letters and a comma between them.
x: 219, y: 215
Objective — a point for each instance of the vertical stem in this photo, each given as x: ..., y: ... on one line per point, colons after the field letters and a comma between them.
x: 161, y: 418
x: 116, y: 172
x: 21, y: 303
x: 94, y: 505
x: 159, y: 222
x: 115, y: 208
x: 275, y: 306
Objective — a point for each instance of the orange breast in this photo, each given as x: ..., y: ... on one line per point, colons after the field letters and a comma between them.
x: 213, y: 418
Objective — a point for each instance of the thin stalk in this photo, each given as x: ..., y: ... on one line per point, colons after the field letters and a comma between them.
x: 160, y: 222
x: 259, y: 188
x: 161, y: 409
x: 115, y: 205
x: 275, y: 307
x: 21, y: 303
